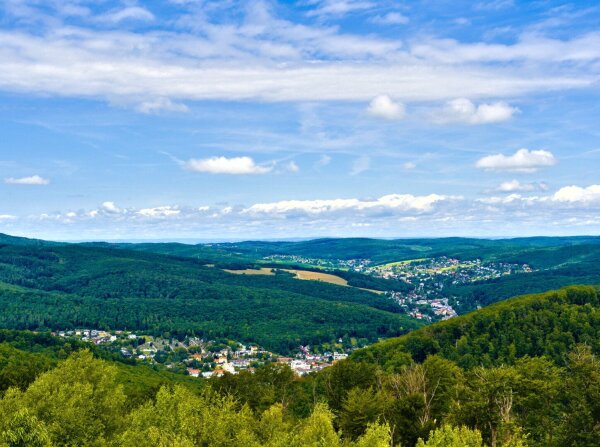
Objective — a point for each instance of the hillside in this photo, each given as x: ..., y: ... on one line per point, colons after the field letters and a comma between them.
x: 556, y: 261
x: 548, y: 324
x: 61, y: 287
x: 521, y: 373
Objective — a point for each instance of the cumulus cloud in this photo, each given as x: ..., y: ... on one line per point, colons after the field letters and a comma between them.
x: 578, y: 194
x: 517, y: 186
x: 32, y: 180
x: 463, y: 110
x: 398, y: 202
x: 523, y: 160
x: 111, y: 208
x: 159, y: 212
x: 391, y: 18
x: 224, y: 165
x: 4, y: 217
x: 382, y: 106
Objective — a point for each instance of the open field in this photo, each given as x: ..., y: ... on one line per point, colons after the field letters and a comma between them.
x: 307, y: 275
x: 318, y: 276
x: 326, y: 277
x: 261, y: 271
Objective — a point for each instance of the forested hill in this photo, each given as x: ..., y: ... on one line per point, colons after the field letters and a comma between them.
x: 67, y: 286
x: 548, y: 324
x: 379, y: 250
x: 556, y: 261
x: 390, y: 250
x: 521, y: 373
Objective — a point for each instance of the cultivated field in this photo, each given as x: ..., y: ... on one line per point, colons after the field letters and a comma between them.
x: 262, y: 271
x: 301, y: 274
x: 318, y: 276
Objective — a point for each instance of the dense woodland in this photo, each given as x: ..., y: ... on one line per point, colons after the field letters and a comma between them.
x: 63, y: 287
x: 472, y: 381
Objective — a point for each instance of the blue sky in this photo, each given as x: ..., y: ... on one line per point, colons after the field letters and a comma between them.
x: 262, y: 119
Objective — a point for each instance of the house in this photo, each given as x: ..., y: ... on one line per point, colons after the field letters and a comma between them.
x: 194, y: 372
x: 228, y: 367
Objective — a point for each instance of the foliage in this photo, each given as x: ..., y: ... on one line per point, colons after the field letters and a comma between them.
x: 448, y: 436
x: 64, y: 287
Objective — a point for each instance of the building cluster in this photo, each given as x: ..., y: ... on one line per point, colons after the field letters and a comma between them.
x: 338, y: 264
x: 200, y: 358
x: 306, y: 362
x: 429, y: 278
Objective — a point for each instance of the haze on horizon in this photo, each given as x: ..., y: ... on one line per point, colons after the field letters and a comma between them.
x: 237, y: 120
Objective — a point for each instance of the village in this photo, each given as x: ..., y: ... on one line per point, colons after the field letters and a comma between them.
x: 199, y: 358
x: 429, y: 278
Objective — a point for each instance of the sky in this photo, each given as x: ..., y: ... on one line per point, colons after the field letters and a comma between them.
x: 222, y: 120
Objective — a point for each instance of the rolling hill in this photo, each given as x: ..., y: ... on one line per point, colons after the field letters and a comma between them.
x: 66, y: 286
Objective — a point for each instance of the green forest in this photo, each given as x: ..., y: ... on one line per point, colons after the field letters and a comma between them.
x: 557, y: 261
x: 523, y: 372
x: 61, y: 287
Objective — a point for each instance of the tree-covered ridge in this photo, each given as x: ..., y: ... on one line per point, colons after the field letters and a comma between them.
x: 533, y: 400
x: 524, y: 372
x: 63, y: 287
x: 556, y: 261
x: 393, y: 393
x: 548, y: 324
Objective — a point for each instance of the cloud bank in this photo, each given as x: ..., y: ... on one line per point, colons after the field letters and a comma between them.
x: 523, y: 160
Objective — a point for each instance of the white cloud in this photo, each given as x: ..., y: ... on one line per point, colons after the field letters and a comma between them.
x: 7, y: 217
x: 159, y: 212
x: 32, y: 180
x: 361, y: 164
x: 267, y: 58
x: 517, y: 186
x: 160, y: 104
x: 391, y: 18
x: 463, y: 110
x: 523, y: 160
x: 398, y: 202
x: 511, y: 198
x: 409, y: 165
x: 382, y: 106
x: 224, y: 165
x: 578, y: 194
x: 128, y: 13
x: 338, y: 7
x: 111, y: 208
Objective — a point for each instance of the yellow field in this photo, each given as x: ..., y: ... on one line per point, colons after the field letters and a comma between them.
x: 262, y: 271
x: 319, y: 276
x: 303, y: 275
